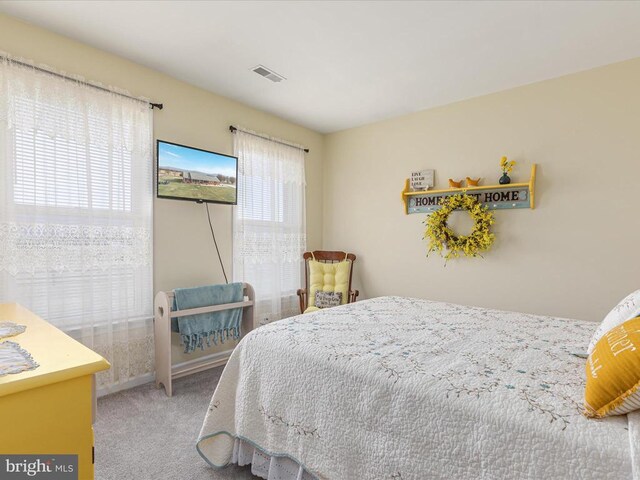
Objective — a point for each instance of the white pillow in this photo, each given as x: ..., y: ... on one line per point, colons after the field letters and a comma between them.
x: 627, y: 309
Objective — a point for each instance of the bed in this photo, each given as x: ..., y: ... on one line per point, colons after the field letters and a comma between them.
x: 401, y: 388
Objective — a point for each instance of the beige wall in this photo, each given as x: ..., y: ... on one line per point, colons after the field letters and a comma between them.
x: 575, y: 255
x: 571, y: 256
x: 183, y: 249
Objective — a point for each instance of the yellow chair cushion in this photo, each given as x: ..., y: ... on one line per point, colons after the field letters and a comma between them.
x: 613, y: 372
x: 328, y: 277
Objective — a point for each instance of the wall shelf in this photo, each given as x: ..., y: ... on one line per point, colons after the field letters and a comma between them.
x: 495, y: 197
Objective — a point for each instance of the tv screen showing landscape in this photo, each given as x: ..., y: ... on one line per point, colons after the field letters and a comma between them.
x: 187, y: 173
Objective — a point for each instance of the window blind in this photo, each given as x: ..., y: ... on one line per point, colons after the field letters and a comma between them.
x: 269, y: 223
x: 76, y: 193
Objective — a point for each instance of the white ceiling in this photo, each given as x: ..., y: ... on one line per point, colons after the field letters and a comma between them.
x: 350, y: 63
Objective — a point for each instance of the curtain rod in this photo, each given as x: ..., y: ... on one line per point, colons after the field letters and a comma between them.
x: 159, y: 106
x: 233, y: 129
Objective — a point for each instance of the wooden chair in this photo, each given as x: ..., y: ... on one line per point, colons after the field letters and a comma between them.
x: 325, y: 257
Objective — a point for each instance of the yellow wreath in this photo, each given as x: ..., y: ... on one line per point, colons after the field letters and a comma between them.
x: 440, y: 236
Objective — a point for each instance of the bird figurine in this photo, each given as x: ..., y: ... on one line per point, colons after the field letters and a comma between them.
x: 454, y: 184
x: 473, y: 183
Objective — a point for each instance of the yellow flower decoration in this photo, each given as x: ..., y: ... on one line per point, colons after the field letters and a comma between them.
x: 441, y: 237
x: 506, y: 165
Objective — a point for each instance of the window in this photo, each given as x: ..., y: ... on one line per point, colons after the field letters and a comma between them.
x: 269, y: 223
x: 265, y: 203
x: 63, y: 171
x: 76, y: 195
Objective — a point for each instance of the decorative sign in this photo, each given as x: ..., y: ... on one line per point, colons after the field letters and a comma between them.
x: 422, y: 180
x: 494, y: 198
x: 516, y: 195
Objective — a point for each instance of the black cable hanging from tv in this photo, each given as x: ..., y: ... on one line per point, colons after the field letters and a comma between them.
x: 233, y: 129
x: 216, y: 244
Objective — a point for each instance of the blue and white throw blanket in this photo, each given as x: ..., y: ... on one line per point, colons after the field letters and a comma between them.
x: 213, y: 326
x: 407, y: 389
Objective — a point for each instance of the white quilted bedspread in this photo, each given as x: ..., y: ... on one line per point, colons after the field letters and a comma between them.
x: 406, y: 389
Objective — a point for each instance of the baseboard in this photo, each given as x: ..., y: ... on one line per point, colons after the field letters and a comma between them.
x: 199, y: 364
x: 134, y: 382
x: 178, y: 370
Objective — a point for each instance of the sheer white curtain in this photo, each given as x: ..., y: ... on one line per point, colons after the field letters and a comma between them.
x: 269, y: 231
x: 76, y: 168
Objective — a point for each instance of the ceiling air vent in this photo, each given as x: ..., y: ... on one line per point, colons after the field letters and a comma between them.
x: 266, y: 73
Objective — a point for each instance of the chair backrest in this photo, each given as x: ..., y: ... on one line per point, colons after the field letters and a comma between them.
x: 324, y: 256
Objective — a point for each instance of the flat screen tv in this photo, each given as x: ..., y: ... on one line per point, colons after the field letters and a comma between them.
x: 187, y: 173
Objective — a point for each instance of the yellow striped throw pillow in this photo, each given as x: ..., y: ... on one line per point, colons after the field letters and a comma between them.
x: 613, y: 372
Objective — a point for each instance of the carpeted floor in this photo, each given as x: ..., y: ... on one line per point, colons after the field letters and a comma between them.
x: 141, y: 434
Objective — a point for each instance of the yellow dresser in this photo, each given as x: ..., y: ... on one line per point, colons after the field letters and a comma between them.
x: 49, y: 410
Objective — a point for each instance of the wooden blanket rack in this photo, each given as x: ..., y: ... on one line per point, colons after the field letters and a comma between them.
x: 163, y: 314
